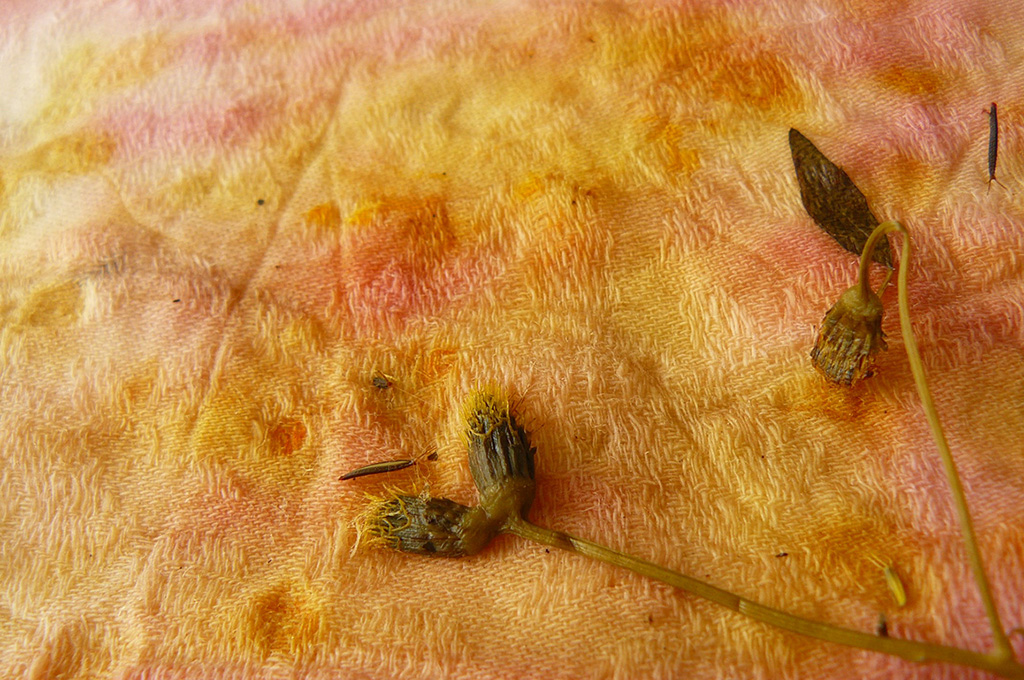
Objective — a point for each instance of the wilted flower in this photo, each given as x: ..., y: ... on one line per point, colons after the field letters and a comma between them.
x: 428, y: 526
x: 850, y: 336
x: 501, y: 462
x: 500, y: 457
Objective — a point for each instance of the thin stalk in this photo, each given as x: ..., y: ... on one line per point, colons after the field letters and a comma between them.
x: 865, y: 262
x: 1001, y: 661
x: 885, y: 283
x: 1002, y: 643
x: 906, y: 649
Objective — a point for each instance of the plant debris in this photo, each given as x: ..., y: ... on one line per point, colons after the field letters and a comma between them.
x: 850, y: 337
x: 833, y: 201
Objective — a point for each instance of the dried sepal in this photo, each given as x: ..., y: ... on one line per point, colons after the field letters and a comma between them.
x: 833, y: 201
x: 426, y: 526
x: 850, y: 336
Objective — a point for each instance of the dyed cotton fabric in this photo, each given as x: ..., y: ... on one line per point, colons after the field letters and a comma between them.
x: 220, y: 221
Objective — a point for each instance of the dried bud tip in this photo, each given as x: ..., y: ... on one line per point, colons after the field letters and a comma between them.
x: 850, y: 336
x: 427, y: 526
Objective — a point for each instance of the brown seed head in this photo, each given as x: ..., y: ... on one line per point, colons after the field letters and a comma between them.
x: 428, y: 526
x: 501, y: 462
x: 500, y: 457
x: 833, y: 201
x: 850, y: 336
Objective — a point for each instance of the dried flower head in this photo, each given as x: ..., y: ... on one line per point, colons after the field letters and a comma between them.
x: 427, y: 526
x: 501, y: 462
x: 500, y: 456
x: 850, y: 336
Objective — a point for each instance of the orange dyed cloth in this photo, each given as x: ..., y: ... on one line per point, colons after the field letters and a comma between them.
x: 220, y: 221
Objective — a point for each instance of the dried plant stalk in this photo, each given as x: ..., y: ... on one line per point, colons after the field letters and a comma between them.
x: 500, y: 453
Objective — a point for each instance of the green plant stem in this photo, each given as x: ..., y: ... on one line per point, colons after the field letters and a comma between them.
x: 906, y: 649
x: 1002, y: 643
x: 1001, y: 661
x: 885, y: 283
x: 863, y: 277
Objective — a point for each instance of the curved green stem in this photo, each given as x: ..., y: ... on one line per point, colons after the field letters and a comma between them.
x: 865, y: 262
x: 1001, y: 661
x: 1002, y: 643
x: 907, y: 649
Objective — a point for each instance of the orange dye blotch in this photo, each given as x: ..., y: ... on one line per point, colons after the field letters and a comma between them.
x: 283, y: 620
x: 364, y: 212
x: 437, y: 363
x: 324, y: 217
x: 913, y: 176
x: 913, y: 81
x: 287, y: 437
x: 761, y: 80
x: 58, y: 304
x: 529, y: 187
x: 667, y: 140
x: 404, y: 262
x: 76, y: 153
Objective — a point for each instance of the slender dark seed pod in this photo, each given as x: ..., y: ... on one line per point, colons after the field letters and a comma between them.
x: 993, y: 147
x: 993, y: 141
x: 378, y: 468
x: 387, y: 466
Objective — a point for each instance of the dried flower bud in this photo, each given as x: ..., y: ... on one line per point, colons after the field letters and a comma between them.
x: 428, y: 526
x: 500, y: 457
x: 850, y: 336
x: 501, y: 462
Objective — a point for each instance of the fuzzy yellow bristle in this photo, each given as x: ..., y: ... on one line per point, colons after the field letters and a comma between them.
x: 370, y: 524
x: 485, y: 409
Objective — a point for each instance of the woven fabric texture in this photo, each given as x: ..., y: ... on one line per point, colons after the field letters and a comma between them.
x: 246, y: 247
